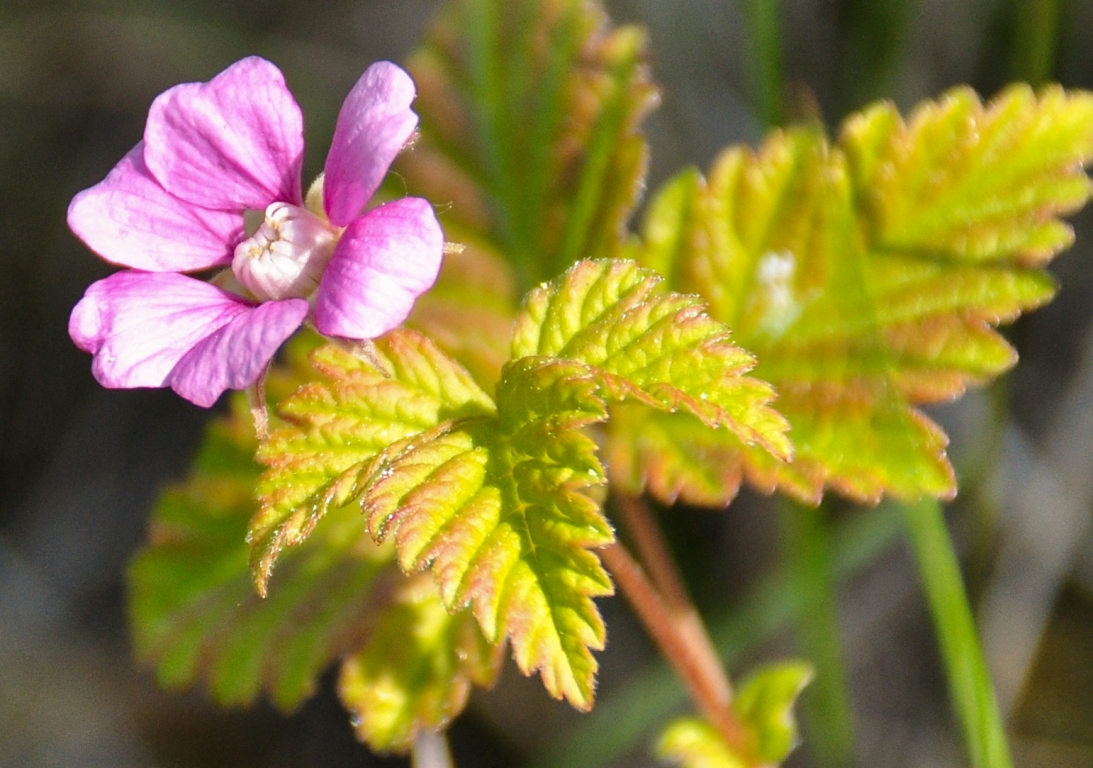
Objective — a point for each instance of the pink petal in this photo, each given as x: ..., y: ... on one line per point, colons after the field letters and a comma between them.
x: 129, y: 219
x: 138, y: 325
x: 383, y: 262
x: 373, y: 126
x: 235, y: 355
x: 233, y: 143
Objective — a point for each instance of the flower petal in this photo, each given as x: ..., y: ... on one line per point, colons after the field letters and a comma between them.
x: 138, y: 325
x: 373, y: 126
x: 129, y: 219
x: 383, y: 262
x: 233, y: 143
x: 235, y: 355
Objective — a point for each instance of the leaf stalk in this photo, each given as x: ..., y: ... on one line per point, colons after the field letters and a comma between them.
x: 661, y: 603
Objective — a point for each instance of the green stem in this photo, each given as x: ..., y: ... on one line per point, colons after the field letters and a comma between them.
x: 825, y: 705
x: 1035, y: 39
x: 766, y: 59
x: 969, y: 684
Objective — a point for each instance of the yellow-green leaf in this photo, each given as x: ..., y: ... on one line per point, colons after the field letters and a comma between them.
x: 692, y: 743
x: 646, y: 344
x: 416, y: 669
x: 868, y: 277
x: 339, y: 422
x: 497, y: 509
x: 194, y: 611
x: 764, y: 706
x: 500, y: 501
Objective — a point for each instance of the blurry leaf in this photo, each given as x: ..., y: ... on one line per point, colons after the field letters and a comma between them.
x: 867, y: 278
x: 970, y: 183
x: 529, y: 115
x: 417, y: 668
x: 692, y: 743
x: 337, y: 424
x: 765, y: 705
x: 192, y: 602
x: 469, y: 312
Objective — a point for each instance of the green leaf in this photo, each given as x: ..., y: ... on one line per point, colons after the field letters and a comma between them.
x: 193, y: 607
x: 529, y: 116
x: 500, y: 501
x: 868, y: 277
x: 645, y: 344
x: 692, y: 743
x: 337, y: 424
x: 196, y: 616
x: 416, y: 669
x: 497, y: 510
x: 765, y: 705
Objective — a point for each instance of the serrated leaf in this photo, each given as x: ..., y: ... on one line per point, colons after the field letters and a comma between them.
x: 416, y: 669
x: 338, y: 424
x: 868, y: 277
x: 529, y: 115
x: 194, y: 611
x: 765, y: 706
x: 652, y: 346
x: 975, y: 183
x: 497, y: 510
x: 498, y: 500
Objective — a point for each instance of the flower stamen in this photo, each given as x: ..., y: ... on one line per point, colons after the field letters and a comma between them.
x: 286, y: 257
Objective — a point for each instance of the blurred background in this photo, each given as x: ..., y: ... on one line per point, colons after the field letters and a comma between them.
x: 80, y: 466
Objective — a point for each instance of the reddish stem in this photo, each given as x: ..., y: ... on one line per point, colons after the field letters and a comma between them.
x: 682, y: 638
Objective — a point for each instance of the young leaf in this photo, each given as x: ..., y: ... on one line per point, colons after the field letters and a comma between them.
x: 337, y: 425
x: 192, y: 602
x: 693, y: 743
x: 868, y: 278
x: 416, y: 669
x: 529, y: 115
x: 765, y: 707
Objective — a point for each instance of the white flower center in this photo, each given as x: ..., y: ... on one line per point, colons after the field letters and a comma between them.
x: 286, y: 257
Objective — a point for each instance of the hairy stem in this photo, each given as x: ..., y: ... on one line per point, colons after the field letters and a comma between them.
x: 673, y: 623
x: 639, y: 523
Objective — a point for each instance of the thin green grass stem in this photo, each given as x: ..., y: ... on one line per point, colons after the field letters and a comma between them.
x: 767, y: 77
x: 1035, y: 40
x: 969, y: 684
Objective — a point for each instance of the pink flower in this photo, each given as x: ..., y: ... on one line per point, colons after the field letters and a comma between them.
x: 176, y: 203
